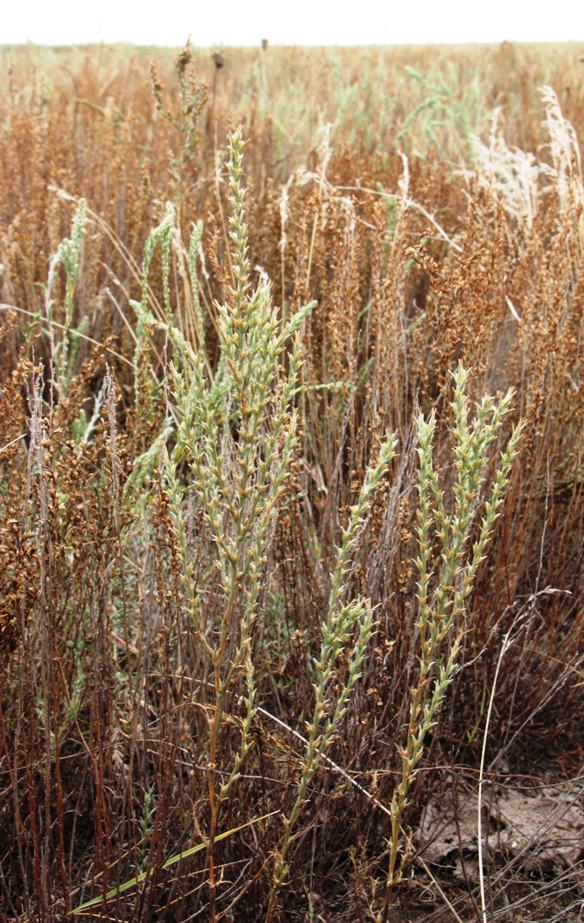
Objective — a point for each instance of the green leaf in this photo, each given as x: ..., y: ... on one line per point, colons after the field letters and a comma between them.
x: 132, y: 882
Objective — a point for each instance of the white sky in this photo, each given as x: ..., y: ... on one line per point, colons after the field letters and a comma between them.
x: 291, y: 22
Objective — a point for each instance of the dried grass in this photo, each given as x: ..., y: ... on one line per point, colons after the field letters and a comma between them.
x: 165, y: 680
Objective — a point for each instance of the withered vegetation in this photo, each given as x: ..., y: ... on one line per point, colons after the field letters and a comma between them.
x: 201, y: 498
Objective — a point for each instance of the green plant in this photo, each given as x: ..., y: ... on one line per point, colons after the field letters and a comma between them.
x: 121, y: 488
x: 342, y: 620
x: 69, y: 256
x: 451, y: 548
x: 236, y: 435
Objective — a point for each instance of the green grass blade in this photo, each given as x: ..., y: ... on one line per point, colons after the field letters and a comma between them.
x: 132, y: 882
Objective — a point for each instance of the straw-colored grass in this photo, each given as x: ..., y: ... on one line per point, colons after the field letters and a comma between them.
x: 291, y: 464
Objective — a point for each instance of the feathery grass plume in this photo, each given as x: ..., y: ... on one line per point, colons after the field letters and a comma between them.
x: 563, y: 145
x: 513, y: 175
x: 519, y: 179
x: 343, y: 620
x: 567, y: 165
x: 447, y: 565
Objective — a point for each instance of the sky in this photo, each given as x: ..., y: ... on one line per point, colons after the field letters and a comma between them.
x: 290, y: 22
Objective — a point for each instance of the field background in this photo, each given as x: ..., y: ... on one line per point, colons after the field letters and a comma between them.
x: 430, y: 232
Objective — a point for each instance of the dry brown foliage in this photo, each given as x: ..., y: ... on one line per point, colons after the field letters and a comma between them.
x: 104, y: 696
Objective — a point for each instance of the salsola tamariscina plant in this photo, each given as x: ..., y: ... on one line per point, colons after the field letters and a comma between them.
x: 344, y: 620
x: 235, y: 434
x: 447, y: 565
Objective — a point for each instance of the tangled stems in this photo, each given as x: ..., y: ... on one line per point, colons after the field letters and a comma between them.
x: 341, y: 621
